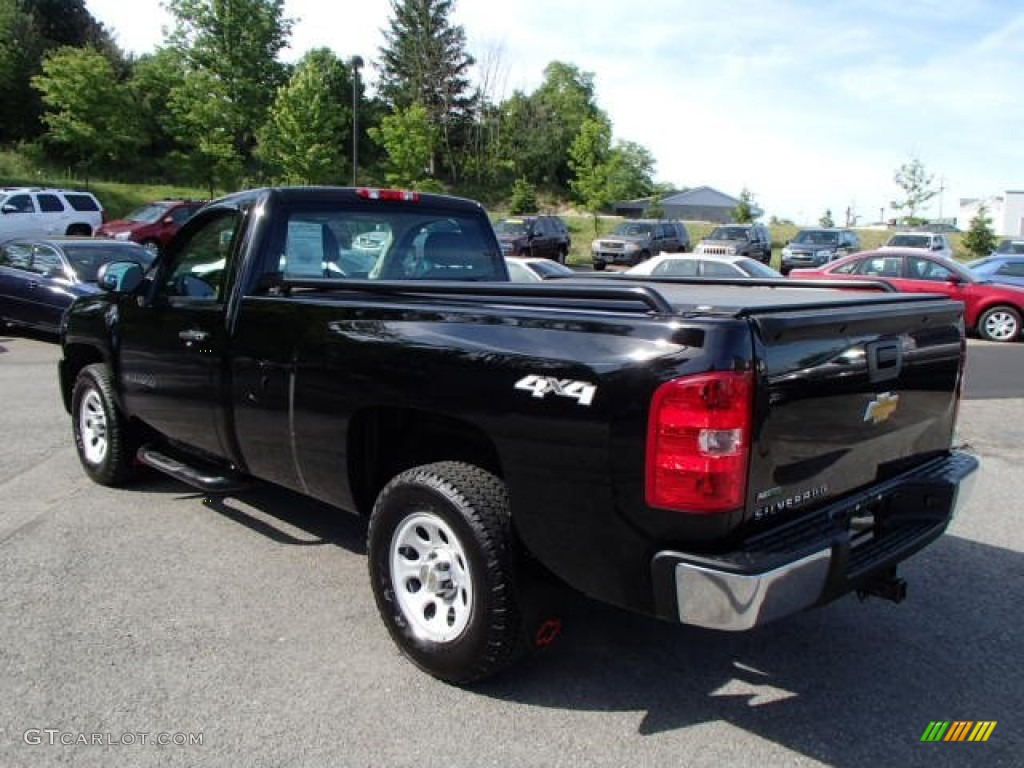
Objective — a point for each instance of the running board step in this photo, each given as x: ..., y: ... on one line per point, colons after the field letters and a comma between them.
x: 205, y: 478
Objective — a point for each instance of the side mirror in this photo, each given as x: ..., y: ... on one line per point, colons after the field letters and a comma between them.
x: 119, y: 276
x: 954, y: 278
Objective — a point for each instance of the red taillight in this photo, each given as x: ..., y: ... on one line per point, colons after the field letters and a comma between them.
x: 698, y: 442
x: 388, y: 194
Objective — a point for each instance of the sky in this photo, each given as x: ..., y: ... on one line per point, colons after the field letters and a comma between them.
x: 811, y: 105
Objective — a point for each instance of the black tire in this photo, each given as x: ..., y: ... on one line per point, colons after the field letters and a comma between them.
x: 79, y: 230
x: 599, y: 266
x: 455, y: 610
x: 563, y: 254
x: 1000, y: 323
x: 104, y: 443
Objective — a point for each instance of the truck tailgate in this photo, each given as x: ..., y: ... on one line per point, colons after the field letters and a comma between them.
x: 850, y: 397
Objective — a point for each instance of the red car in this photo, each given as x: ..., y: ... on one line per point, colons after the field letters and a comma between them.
x: 153, y: 225
x: 993, y: 310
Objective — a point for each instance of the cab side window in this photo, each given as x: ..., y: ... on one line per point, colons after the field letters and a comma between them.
x: 20, y: 204
x: 201, y: 263
x: 16, y: 255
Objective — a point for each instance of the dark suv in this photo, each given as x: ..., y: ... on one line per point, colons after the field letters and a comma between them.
x: 154, y: 224
x: 752, y: 240
x: 637, y: 240
x: 541, y: 236
x: 814, y: 247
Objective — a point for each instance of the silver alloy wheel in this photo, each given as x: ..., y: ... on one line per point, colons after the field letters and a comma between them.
x: 1001, y: 325
x: 433, y: 583
x: 92, y: 425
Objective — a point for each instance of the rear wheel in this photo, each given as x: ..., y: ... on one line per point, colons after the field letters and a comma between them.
x: 440, y: 554
x: 999, y: 324
x: 102, y: 436
x: 599, y: 266
x: 79, y: 230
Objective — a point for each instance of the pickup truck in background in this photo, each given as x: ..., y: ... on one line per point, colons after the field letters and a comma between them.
x: 715, y: 453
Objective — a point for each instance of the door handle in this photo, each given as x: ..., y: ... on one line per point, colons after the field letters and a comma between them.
x: 193, y: 335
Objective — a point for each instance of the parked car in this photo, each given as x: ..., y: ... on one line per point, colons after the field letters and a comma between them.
x: 153, y: 225
x: 39, y: 278
x: 538, y: 236
x: 636, y: 240
x: 928, y: 242
x: 527, y: 269
x: 999, y: 268
x: 702, y: 265
x: 44, y: 212
x: 814, y: 247
x: 992, y: 310
x: 1009, y: 245
x: 753, y: 240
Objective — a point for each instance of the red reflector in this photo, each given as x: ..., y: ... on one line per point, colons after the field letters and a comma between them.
x: 698, y: 442
x: 368, y: 193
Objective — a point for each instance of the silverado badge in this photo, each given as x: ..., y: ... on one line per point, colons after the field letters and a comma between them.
x: 881, y: 408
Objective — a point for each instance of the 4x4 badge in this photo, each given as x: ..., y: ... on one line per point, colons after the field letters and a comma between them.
x: 881, y: 408
x: 581, y: 391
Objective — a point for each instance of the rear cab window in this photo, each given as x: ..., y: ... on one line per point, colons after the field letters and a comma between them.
x: 387, y: 243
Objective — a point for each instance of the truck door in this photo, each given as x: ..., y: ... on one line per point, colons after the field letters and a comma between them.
x: 173, y: 343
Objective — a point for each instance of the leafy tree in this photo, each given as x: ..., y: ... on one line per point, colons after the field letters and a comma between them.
x: 540, y: 128
x: 424, y: 62
x: 90, y: 116
x: 916, y: 183
x: 980, y: 238
x: 408, y: 137
x: 654, y: 209
x: 309, y: 132
x: 631, y: 168
x: 826, y: 220
x: 743, y: 213
x: 230, y: 50
x: 524, y: 198
x: 588, y: 158
x: 29, y: 30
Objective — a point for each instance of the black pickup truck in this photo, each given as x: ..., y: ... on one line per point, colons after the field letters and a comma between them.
x: 710, y: 453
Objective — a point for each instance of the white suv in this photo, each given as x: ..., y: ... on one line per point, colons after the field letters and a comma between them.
x: 931, y: 242
x: 39, y: 212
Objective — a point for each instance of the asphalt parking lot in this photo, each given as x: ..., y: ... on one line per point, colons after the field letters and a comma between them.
x: 134, y: 616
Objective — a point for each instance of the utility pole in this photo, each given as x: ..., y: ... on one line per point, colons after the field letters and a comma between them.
x: 942, y: 188
x: 356, y: 62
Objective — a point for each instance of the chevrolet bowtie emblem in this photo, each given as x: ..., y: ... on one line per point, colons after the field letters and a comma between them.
x: 881, y: 408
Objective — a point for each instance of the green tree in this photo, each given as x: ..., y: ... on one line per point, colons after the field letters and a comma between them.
x: 631, y: 170
x: 29, y: 30
x: 540, y: 128
x: 424, y: 62
x: 588, y: 158
x: 309, y: 133
x: 407, y: 137
x: 980, y: 238
x: 826, y: 220
x: 230, y: 50
x: 524, y: 198
x: 916, y: 183
x: 89, y: 115
x: 743, y: 213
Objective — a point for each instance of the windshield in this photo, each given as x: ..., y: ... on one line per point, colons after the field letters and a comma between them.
x: 147, y: 214
x: 511, y: 227
x: 816, y: 237
x: 728, y: 233
x: 86, y: 260
x: 1011, y: 246
x: 910, y: 241
x: 756, y: 268
x: 633, y: 229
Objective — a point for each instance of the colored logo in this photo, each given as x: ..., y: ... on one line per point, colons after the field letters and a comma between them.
x: 959, y: 730
x: 881, y: 408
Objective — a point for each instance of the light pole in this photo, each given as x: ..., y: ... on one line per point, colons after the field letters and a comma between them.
x: 356, y: 62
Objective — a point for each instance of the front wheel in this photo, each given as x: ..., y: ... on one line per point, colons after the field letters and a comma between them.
x: 440, y: 554
x: 999, y: 324
x: 101, y: 433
